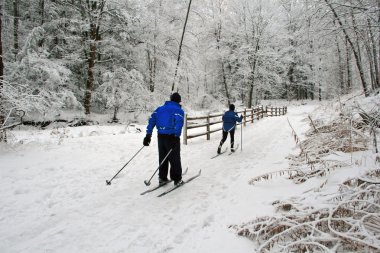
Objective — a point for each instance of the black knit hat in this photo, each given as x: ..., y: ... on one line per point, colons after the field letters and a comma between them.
x: 175, y: 97
x: 232, y: 107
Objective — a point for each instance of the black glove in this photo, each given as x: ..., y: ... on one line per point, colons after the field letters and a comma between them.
x: 174, y: 137
x: 174, y: 140
x: 147, y: 139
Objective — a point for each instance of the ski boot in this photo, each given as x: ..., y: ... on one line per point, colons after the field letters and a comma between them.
x: 219, y: 149
x: 163, y: 181
x: 178, y: 183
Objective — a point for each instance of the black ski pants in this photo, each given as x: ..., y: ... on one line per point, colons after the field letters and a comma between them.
x: 232, y: 136
x: 165, y: 143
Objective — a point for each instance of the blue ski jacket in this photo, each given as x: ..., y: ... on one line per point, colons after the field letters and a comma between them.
x: 229, y: 120
x: 168, y: 119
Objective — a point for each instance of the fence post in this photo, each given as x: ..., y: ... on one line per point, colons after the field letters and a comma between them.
x: 262, y: 112
x: 208, y: 127
x: 185, y: 131
x: 245, y: 116
x: 252, y: 115
x: 258, y: 111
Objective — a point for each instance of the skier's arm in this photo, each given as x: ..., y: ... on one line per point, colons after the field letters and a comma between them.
x: 151, y: 123
x: 178, y: 119
x: 238, y: 119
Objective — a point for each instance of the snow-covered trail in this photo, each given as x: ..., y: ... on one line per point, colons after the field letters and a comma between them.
x: 54, y: 197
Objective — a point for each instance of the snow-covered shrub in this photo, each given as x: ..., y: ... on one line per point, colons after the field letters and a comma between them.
x: 351, y: 224
x: 206, y: 102
x: 122, y: 89
x: 37, y: 83
x: 324, y: 140
x: 347, y: 219
x: 60, y: 134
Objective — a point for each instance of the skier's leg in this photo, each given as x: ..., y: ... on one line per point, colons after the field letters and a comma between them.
x: 224, y: 138
x: 232, y: 135
x: 175, y: 161
x: 162, y: 152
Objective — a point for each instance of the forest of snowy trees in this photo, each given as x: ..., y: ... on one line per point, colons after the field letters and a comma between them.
x: 105, y: 56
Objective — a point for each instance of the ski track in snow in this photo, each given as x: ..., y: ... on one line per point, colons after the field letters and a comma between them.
x: 54, y: 197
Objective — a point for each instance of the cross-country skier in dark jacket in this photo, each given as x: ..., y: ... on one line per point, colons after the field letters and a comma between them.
x: 168, y: 119
x: 229, y: 123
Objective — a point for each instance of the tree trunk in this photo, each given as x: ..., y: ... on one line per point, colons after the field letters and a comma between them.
x: 312, y: 91
x: 357, y: 57
x: 371, y: 66
x: 152, y: 59
x: 151, y: 68
x: 180, y: 45
x: 374, y: 53
x: 2, y: 109
x: 42, y: 14
x: 320, y: 84
x: 1, y: 54
x: 253, y: 70
x: 341, y: 72
x: 205, y: 80
x: 290, y: 75
x: 378, y: 41
x: 356, y: 32
x: 250, y: 96
x: 115, y: 111
x: 15, y: 27
x: 188, y: 88
x: 225, y: 84
x: 218, y: 35
x: 348, y: 66
x: 90, y: 71
x: 96, y: 7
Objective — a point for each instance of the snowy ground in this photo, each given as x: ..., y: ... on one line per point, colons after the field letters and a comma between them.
x: 54, y: 197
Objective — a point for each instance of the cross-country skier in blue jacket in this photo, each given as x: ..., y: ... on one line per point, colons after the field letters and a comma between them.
x: 229, y: 123
x: 168, y: 119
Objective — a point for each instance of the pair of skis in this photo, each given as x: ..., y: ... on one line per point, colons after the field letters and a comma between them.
x: 175, y: 187
x: 225, y: 150
x: 184, y: 181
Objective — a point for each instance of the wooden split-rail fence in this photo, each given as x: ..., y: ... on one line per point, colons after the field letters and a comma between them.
x: 249, y: 115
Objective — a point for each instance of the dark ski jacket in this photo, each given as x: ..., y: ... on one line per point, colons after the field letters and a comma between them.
x: 167, y: 118
x: 229, y: 120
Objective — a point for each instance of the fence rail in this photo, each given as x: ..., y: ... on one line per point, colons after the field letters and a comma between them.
x: 192, y: 122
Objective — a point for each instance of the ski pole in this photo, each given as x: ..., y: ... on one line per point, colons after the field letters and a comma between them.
x: 241, y: 137
x: 147, y: 182
x: 109, y: 181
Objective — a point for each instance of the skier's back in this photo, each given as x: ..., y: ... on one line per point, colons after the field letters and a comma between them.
x: 229, y: 124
